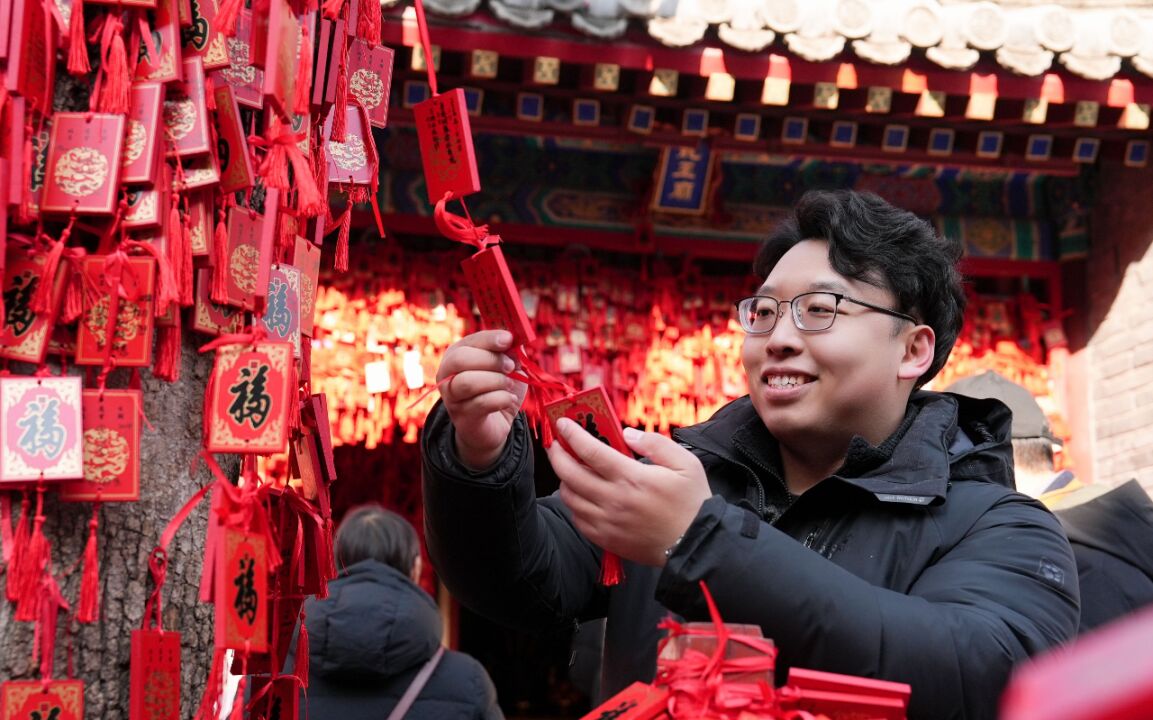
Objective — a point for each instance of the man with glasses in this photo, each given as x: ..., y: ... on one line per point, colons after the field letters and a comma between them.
x: 869, y: 527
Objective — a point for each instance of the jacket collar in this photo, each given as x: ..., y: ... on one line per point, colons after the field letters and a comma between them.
x: 943, y: 437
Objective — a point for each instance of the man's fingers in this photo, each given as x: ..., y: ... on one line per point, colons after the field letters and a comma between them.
x: 468, y: 355
x: 603, y: 459
x: 661, y: 450
x: 472, y: 383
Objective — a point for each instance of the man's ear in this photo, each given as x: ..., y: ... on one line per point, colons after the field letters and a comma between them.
x: 918, y: 354
x: 417, y: 569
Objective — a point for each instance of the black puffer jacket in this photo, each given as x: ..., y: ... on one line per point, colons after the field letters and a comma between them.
x: 917, y: 562
x: 368, y: 640
x: 1112, y: 538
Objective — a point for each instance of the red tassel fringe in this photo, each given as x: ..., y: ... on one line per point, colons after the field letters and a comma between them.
x: 220, y: 258
x: 226, y: 16
x: 180, y: 255
x: 117, y: 83
x: 611, y: 571
x: 168, y: 352
x: 87, y: 607
x: 77, y: 45
x: 20, y: 539
x: 33, y: 565
x: 340, y: 262
x: 368, y: 23
x: 301, y: 669
x: 300, y: 102
x: 340, y: 119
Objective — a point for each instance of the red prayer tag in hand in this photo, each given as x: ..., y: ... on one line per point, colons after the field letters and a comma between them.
x: 241, y: 597
x: 52, y: 699
x: 446, y: 148
x: 111, y: 448
x: 496, y: 295
x: 636, y: 702
x: 154, y: 674
x: 593, y: 411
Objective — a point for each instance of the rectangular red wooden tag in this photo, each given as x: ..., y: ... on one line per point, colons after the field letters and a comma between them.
x: 143, y: 210
x: 200, y: 36
x: 281, y: 316
x: 154, y: 675
x: 249, y: 257
x: 42, y: 700
x: 496, y: 295
x: 236, y: 172
x: 209, y: 317
x: 84, y: 158
x: 41, y: 434
x: 131, y: 331
x: 30, y: 72
x: 636, y: 702
x: 370, y: 79
x: 111, y: 448
x: 281, y: 57
x: 247, y: 408
x: 165, y: 66
x: 201, y: 171
x: 593, y: 411
x: 306, y: 256
x: 354, y: 160
x: 24, y: 334
x: 186, y: 112
x: 446, y: 149
x: 242, y: 591
x: 246, y: 79
x: 141, y: 134
x: 200, y: 223
x: 322, y: 47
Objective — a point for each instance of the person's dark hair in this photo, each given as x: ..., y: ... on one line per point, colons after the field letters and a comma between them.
x: 371, y: 532
x: 1033, y: 454
x: 885, y: 246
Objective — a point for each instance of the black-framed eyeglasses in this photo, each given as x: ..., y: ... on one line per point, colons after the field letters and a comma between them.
x: 812, y: 311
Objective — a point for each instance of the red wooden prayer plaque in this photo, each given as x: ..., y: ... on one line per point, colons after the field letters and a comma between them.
x: 446, y: 149
x: 249, y: 257
x: 496, y: 295
x: 33, y: 699
x: 306, y: 256
x: 40, y: 429
x: 370, y: 79
x: 236, y: 171
x: 111, y: 448
x: 143, y: 209
x: 186, y: 113
x: 200, y: 222
x: 84, y: 159
x: 593, y: 411
x: 201, y: 38
x: 201, y: 171
x: 281, y: 316
x: 154, y: 674
x: 24, y: 334
x: 636, y: 702
x: 281, y: 56
x: 30, y: 73
x: 247, y: 409
x: 164, y: 65
x: 354, y: 160
x: 130, y: 333
x: 246, y: 80
x: 141, y: 133
x: 209, y: 317
x: 242, y: 592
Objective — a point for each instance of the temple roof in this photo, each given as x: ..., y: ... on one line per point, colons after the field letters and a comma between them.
x: 1093, y: 40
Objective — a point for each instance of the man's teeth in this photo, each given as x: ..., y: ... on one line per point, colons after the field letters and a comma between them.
x: 782, y: 381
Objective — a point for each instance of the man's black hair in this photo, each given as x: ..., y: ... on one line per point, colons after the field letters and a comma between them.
x: 874, y: 242
x: 371, y: 532
x: 1033, y: 454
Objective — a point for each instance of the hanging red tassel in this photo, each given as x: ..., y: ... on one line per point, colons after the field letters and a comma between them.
x: 339, y: 119
x: 168, y: 351
x: 20, y: 540
x: 226, y: 16
x: 33, y: 566
x: 301, y: 668
x: 210, y: 702
x: 42, y: 298
x: 88, y: 605
x: 180, y: 254
x: 340, y: 262
x: 332, y: 8
x: 220, y: 257
x: 116, y: 97
x: 368, y: 23
x: 73, y: 300
x: 300, y: 101
x: 77, y: 44
x: 611, y: 571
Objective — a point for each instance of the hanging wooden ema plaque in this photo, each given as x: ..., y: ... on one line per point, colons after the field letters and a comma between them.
x: 242, y: 612
x: 40, y: 429
x: 154, y: 674
x: 24, y: 334
x: 111, y: 447
x: 118, y: 327
x: 42, y: 700
x: 248, y: 395
x: 446, y: 148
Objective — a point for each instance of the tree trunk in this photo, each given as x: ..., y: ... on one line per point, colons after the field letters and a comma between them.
x: 128, y: 532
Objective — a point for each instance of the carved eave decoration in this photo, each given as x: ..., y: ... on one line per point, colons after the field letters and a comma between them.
x: 1092, y: 40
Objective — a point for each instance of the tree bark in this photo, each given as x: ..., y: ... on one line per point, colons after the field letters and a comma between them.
x: 127, y: 534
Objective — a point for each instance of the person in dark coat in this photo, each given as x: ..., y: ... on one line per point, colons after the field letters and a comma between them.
x: 1109, y: 529
x: 376, y: 629
x: 867, y: 526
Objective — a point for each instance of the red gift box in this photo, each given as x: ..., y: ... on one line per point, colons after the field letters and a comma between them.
x: 111, y: 448
x: 354, y: 160
x: 201, y: 38
x: 124, y: 340
x: 242, y: 591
